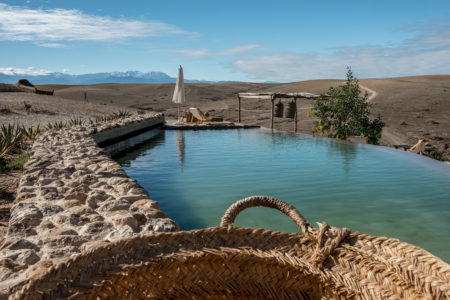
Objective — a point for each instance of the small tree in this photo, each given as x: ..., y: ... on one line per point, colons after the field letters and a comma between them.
x: 345, y: 113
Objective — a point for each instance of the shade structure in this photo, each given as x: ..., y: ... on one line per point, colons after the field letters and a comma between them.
x: 178, y: 94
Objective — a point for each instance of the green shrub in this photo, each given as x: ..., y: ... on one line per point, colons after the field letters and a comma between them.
x: 76, y: 122
x: 56, y: 125
x: 10, y: 137
x: 344, y: 113
x: 437, y: 154
x: 28, y: 106
x: 30, y: 132
x: 121, y: 114
x: 16, y: 163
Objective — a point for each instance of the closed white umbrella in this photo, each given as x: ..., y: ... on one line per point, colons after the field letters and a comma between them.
x: 178, y: 94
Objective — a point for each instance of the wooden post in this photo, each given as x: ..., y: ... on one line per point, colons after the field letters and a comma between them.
x: 239, y: 109
x: 273, y: 99
x: 296, y: 113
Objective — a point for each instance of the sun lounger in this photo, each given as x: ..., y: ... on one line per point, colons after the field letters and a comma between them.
x: 418, y: 148
x: 195, y: 115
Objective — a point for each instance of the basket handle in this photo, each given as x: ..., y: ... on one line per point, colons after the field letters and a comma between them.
x: 287, y: 209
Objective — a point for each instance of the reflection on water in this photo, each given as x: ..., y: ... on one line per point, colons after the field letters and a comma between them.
x: 371, y: 189
x: 345, y: 150
x: 181, y: 146
x: 125, y: 157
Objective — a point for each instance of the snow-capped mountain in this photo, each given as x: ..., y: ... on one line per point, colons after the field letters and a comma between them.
x: 112, y: 77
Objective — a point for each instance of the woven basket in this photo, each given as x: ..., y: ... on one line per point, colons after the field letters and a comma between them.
x: 228, y: 262
x: 291, y: 108
x: 279, y: 107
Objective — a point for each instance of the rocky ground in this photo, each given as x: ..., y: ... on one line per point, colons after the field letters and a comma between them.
x: 413, y: 108
x: 73, y: 196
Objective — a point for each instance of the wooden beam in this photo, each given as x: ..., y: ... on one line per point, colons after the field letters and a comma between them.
x: 296, y: 113
x: 263, y: 97
x: 271, y: 115
x: 239, y: 109
x: 280, y: 95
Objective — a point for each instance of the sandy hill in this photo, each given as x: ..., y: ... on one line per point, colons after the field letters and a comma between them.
x: 413, y: 107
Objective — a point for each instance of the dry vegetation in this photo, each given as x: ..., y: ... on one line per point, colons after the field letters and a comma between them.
x: 413, y: 108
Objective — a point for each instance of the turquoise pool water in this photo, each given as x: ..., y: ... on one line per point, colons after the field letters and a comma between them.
x: 196, y: 175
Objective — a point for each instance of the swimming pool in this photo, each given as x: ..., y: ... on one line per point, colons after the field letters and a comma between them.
x: 196, y: 175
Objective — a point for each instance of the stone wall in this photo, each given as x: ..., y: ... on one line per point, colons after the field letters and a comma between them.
x: 72, y: 196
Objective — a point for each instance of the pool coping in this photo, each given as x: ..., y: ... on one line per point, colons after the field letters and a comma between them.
x: 73, y: 197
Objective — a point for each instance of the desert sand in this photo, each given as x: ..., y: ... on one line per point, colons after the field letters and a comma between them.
x: 413, y: 108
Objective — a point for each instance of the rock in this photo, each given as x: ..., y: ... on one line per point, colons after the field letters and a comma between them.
x: 65, y: 204
x: 46, y: 181
x: 113, y: 205
x: 120, y: 218
x: 51, y: 210
x: 22, y: 257
x: 25, y: 215
x: 46, y: 224
x: 58, y: 253
x: 95, y: 228
x: 160, y: 225
x: 25, y: 196
x: 93, y: 244
x: 96, y: 197
x: 147, y: 207
x: 5, y: 273
x: 82, y: 210
x: 87, y: 179
x: 19, y: 244
x: 61, y: 231
x: 120, y: 233
x: 55, y: 242
x: 50, y: 193
x: 140, y: 217
x: 72, y: 197
x: 132, y: 198
x: 68, y: 218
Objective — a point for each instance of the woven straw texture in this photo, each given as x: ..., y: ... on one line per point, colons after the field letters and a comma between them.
x: 228, y: 262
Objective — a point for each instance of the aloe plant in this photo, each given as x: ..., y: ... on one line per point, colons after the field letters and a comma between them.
x: 56, y: 125
x: 30, y: 132
x: 121, y: 114
x: 76, y: 122
x: 28, y: 106
x: 10, y: 137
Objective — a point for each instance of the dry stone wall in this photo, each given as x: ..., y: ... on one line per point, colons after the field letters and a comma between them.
x: 72, y: 196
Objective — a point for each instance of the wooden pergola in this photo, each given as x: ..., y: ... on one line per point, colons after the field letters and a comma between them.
x: 272, y: 97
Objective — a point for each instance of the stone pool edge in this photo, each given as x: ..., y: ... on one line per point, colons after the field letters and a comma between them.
x: 72, y: 197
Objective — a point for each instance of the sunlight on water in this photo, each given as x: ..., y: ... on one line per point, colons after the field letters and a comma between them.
x: 196, y: 175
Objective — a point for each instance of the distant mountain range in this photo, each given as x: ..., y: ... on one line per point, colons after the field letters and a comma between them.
x: 113, y: 77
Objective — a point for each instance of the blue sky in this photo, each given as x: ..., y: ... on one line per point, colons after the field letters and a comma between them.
x: 227, y: 40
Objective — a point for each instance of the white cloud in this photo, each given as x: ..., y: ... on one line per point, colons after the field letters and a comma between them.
x: 21, y: 71
x: 238, y: 49
x: 203, y: 52
x: 425, y: 54
x: 24, y: 24
x: 193, y: 53
x: 51, y: 45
